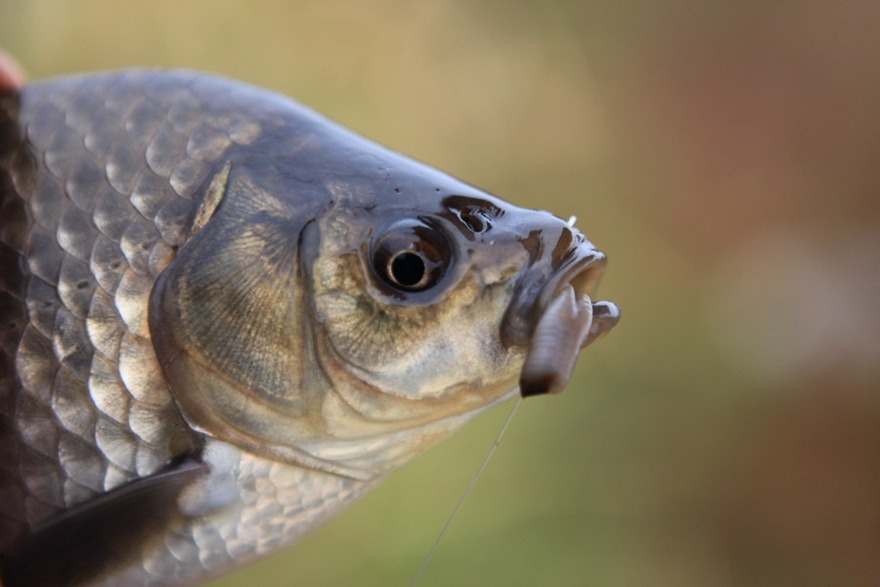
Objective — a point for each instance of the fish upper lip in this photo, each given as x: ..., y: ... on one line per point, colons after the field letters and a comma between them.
x: 582, y: 270
x: 581, y: 267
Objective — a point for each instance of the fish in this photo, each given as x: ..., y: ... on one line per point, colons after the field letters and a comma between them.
x: 224, y: 318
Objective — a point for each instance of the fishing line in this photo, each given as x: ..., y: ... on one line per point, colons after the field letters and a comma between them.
x: 467, y: 492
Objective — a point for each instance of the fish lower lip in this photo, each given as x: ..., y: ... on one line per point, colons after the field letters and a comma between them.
x: 559, y: 335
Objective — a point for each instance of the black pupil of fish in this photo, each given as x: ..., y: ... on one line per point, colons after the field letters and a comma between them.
x: 407, y: 269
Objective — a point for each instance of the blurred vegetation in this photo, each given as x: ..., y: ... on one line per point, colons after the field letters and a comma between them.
x: 724, y: 155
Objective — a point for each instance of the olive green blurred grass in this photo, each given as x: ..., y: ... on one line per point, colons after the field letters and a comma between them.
x: 676, y: 135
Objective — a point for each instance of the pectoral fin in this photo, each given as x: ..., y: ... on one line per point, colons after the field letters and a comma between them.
x: 95, y: 537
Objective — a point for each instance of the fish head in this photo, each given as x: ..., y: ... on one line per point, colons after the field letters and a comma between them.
x: 446, y: 302
x: 437, y: 300
x: 350, y: 313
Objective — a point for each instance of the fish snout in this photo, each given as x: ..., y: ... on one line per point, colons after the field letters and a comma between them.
x: 553, y: 316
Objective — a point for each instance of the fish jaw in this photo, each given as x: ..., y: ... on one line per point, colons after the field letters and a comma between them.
x: 567, y: 325
x: 554, y: 316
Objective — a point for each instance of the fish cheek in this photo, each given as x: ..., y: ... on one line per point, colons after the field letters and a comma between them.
x: 225, y: 318
x: 444, y: 349
x: 362, y: 331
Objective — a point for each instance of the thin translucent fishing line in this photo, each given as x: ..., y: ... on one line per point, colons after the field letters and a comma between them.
x: 467, y: 492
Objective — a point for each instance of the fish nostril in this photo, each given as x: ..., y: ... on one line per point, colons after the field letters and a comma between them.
x: 476, y: 219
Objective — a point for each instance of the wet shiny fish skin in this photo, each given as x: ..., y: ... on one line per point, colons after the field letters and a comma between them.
x: 119, y: 194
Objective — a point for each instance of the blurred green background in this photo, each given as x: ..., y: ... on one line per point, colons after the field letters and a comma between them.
x: 724, y: 155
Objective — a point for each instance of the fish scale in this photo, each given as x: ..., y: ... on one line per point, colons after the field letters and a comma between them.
x: 87, y: 416
x: 63, y: 209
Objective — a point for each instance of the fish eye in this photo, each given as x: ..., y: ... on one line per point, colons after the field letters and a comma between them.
x: 411, y: 255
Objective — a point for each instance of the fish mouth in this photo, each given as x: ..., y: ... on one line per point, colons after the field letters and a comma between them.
x: 565, y: 320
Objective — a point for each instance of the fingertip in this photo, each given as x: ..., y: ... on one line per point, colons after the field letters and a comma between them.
x: 11, y: 74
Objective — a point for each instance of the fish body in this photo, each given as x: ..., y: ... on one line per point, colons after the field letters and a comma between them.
x: 223, y: 318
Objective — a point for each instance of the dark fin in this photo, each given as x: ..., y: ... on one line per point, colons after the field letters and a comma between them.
x: 95, y: 537
x: 15, y: 162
